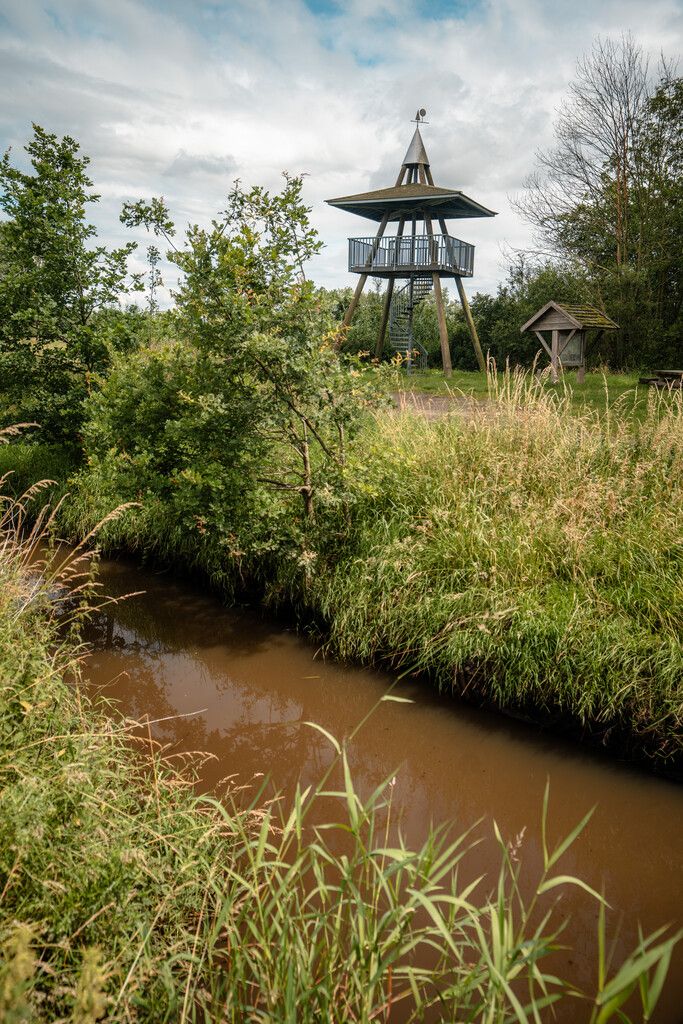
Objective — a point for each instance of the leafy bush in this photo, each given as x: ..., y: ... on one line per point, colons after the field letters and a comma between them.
x: 233, y: 441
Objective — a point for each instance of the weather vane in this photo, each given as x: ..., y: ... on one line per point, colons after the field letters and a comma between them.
x: 420, y: 116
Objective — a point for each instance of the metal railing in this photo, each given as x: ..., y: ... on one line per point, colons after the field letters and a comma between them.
x: 411, y: 253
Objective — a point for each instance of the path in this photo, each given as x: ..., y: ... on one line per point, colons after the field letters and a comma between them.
x: 435, y: 407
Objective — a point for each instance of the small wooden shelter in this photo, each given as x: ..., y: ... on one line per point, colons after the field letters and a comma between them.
x: 561, y: 329
x: 418, y: 257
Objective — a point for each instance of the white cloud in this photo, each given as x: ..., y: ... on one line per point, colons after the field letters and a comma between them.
x: 178, y: 98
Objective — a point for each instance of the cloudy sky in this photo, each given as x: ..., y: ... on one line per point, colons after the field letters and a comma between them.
x: 179, y: 97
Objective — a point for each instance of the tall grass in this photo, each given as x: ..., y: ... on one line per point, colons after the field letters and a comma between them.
x: 527, y: 557
x: 28, y: 460
x: 124, y: 896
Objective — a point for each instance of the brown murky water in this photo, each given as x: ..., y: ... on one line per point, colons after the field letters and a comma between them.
x: 247, y: 684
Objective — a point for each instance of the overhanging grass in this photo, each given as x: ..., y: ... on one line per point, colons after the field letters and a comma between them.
x: 528, y: 557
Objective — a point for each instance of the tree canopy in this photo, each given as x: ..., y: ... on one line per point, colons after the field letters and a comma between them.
x: 53, y: 284
x: 608, y: 197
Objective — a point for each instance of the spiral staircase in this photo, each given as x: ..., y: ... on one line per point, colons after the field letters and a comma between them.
x: 401, y: 339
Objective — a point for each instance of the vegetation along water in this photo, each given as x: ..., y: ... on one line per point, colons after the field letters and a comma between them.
x: 521, y: 551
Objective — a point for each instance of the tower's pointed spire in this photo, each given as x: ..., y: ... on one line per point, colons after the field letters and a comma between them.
x: 417, y: 154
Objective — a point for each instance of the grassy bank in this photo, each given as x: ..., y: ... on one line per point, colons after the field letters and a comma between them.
x: 529, y: 558
x: 25, y: 462
x: 125, y: 897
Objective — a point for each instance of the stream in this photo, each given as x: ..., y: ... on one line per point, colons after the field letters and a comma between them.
x: 245, y: 685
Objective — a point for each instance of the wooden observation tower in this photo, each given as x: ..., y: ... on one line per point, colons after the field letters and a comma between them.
x: 416, y: 255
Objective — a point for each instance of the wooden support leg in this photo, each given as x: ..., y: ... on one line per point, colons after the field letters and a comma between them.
x: 443, y: 329
x: 438, y: 295
x: 379, y: 346
x: 348, y: 315
x: 581, y: 375
x: 471, y: 324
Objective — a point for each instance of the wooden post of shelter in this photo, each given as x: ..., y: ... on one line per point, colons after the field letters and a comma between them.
x: 419, y: 266
x: 476, y: 344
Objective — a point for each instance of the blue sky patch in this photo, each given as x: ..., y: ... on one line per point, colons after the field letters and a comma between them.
x: 327, y: 8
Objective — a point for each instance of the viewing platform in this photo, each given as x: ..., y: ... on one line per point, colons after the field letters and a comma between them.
x: 414, y: 203
x: 398, y: 257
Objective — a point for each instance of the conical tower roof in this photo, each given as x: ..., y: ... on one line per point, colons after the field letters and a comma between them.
x: 417, y: 154
x: 413, y: 197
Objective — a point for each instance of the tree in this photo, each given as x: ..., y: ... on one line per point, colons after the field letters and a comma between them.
x: 53, y: 283
x: 244, y: 273
x: 602, y: 197
x: 256, y: 399
x: 579, y: 196
x: 660, y: 220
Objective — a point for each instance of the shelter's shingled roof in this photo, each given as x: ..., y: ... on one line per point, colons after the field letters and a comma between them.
x: 588, y: 316
x: 443, y: 202
x: 579, y: 317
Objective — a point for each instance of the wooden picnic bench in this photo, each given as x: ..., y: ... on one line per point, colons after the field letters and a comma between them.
x: 672, y: 379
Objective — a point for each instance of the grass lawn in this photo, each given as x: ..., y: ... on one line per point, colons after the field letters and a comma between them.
x: 593, y: 393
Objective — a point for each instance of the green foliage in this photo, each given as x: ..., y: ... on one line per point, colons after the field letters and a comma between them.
x: 527, y: 289
x: 53, y: 285
x: 225, y: 475
x: 244, y: 273
x: 659, y: 198
x: 608, y: 198
x: 26, y: 460
x: 498, y: 318
x: 253, y: 402
x: 162, y: 430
